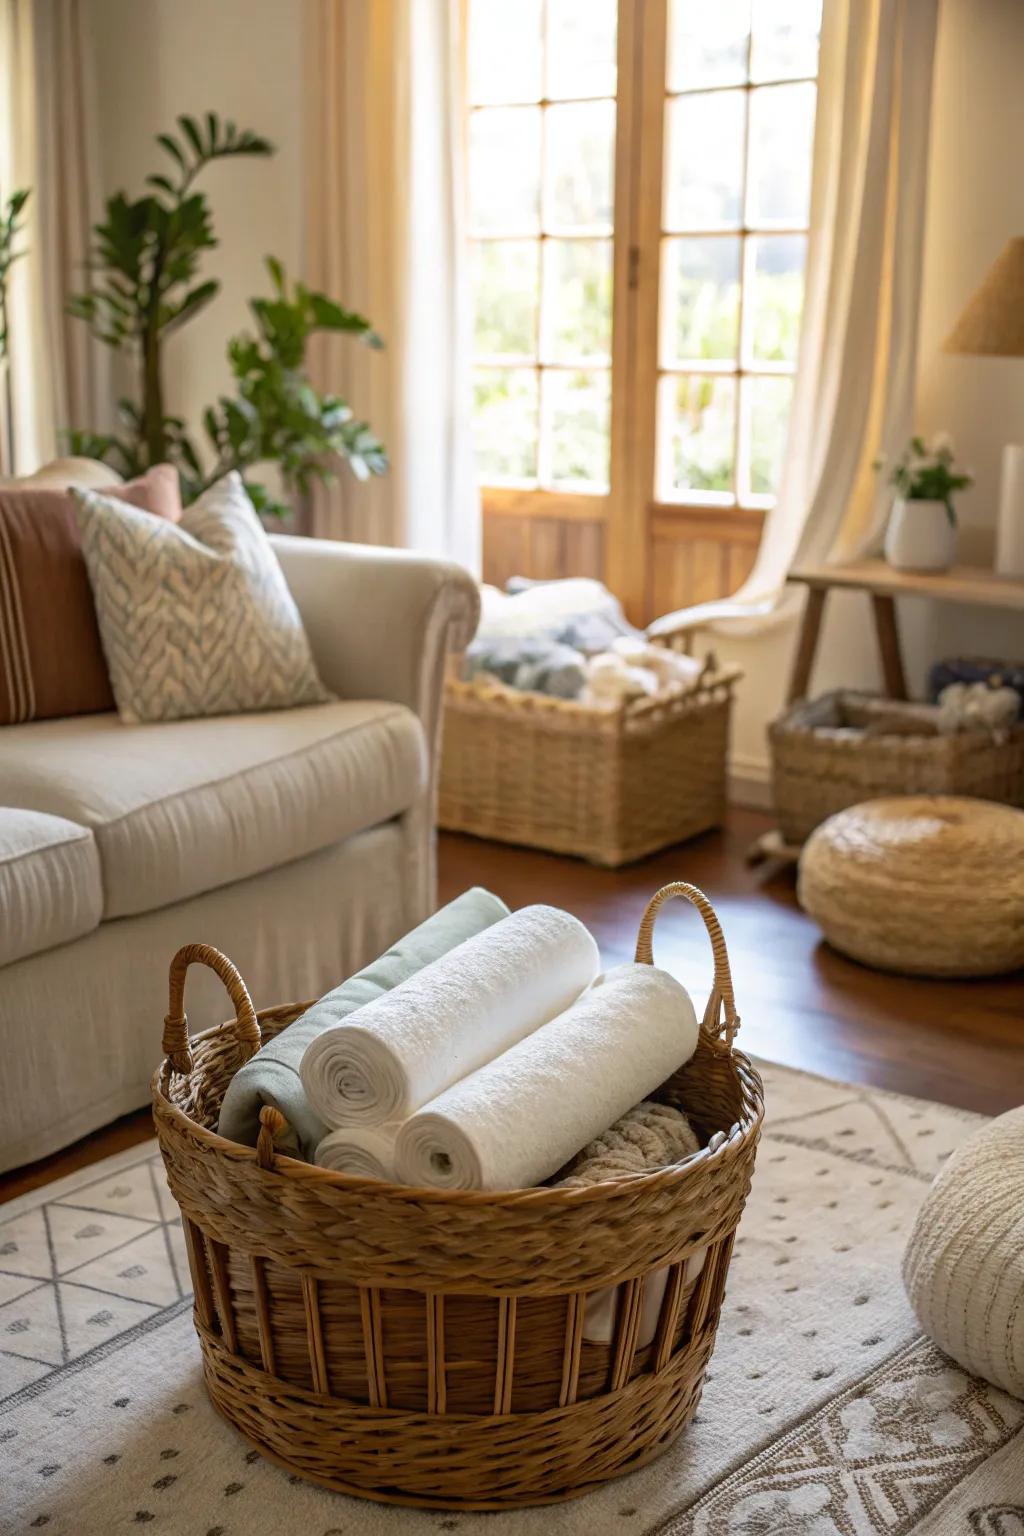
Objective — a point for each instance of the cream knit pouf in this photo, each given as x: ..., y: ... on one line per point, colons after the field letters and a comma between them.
x: 964, y: 1264
x: 931, y: 885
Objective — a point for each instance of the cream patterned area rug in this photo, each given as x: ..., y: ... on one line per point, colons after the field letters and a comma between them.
x: 825, y: 1412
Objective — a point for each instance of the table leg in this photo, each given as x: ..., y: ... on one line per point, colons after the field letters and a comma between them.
x: 807, y: 644
x: 884, y: 609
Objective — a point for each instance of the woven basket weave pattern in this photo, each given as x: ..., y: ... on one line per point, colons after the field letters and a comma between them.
x: 426, y: 1347
x: 844, y: 747
x: 885, y: 880
x: 608, y: 785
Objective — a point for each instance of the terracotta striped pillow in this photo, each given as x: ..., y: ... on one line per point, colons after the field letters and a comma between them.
x: 51, y: 659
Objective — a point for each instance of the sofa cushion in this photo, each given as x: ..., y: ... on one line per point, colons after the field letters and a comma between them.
x: 196, y: 620
x: 51, y: 659
x: 181, y: 807
x: 50, y: 887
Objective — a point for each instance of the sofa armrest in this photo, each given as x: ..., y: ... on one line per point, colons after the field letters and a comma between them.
x: 381, y: 621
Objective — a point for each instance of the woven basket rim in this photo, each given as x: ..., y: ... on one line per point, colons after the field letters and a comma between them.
x: 716, y: 1035
x: 793, y: 722
x: 491, y: 691
x: 327, y: 1178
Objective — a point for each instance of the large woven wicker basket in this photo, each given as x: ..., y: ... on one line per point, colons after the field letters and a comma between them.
x: 844, y: 747
x: 608, y: 785
x: 426, y: 1347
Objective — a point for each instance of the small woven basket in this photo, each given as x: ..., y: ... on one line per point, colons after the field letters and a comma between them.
x: 845, y: 747
x: 610, y: 785
x: 426, y: 1347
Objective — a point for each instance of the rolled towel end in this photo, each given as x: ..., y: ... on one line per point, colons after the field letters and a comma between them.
x: 364, y: 1152
x: 432, y: 1149
x: 362, y: 1082
x: 453, y: 1016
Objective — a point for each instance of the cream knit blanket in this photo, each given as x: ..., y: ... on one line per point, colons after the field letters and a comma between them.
x: 647, y: 1137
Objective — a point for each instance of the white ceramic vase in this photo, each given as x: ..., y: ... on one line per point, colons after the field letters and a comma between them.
x: 920, y: 537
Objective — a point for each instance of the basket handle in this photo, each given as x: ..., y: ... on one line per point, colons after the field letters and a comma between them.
x: 175, y: 1040
x: 720, y: 1016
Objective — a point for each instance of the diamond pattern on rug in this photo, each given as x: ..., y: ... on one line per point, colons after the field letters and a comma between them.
x: 30, y: 1328
x: 872, y: 1462
x: 94, y: 1317
x: 25, y: 1245
x: 15, y: 1285
x: 78, y: 1236
x: 141, y: 1270
x: 85, y: 1262
x: 864, y: 1128
x: 132, y: 1192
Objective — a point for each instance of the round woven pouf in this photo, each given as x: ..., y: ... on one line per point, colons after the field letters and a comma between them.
x: 964, y: 1264
x: 931, y: 885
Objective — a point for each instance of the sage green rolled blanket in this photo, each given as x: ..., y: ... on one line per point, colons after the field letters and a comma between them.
x: 272, y: 1076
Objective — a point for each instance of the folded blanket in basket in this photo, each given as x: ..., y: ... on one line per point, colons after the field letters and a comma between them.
x: 450, y: 1018
x: 517, y: 1120
x: 647, y: 1137
x: 532, y: 663
x: 272, y: 1076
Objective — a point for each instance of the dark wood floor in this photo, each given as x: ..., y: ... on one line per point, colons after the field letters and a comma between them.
x: 800, y: 1003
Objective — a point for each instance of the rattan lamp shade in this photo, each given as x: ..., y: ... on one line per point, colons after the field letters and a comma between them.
x: 993, y: 322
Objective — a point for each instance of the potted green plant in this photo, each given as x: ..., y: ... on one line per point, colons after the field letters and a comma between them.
x: 145, y: 283
x: 921, y: 534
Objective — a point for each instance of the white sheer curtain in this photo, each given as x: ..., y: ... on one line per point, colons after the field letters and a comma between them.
x: 385, y: 146
x: 854, y: 393
x: 48, y: 142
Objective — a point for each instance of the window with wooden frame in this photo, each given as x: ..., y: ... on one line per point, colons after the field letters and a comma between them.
x: 639, y: 192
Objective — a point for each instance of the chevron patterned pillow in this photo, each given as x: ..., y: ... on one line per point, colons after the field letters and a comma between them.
x: 195, y: 617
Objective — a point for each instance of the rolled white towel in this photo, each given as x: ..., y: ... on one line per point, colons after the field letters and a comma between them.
x: 365, y: 1151
x: 520, y: 1118
x: 449, y: 1019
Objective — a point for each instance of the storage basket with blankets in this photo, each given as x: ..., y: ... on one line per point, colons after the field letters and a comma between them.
x: 608, y: 785
x: 845, y: 747
x: 428, y: 1346
x: 567, y: 729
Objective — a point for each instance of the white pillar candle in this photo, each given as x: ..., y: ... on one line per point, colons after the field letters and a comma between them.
x: 1010, y: 528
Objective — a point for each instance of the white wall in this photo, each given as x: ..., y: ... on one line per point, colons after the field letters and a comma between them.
x: 243, y: 60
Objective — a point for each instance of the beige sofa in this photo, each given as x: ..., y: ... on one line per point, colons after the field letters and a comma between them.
x: 300, y: 842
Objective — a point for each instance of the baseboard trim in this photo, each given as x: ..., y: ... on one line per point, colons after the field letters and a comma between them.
x: 749, y: 782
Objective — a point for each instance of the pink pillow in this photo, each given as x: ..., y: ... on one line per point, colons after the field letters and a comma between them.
x: 51, y: 659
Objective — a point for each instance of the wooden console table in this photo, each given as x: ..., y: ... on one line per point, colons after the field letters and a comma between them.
x: 883, y: 584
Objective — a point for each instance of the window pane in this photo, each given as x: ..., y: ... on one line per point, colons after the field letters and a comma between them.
x: 707, y: 43
x: 769, y: 418
x: 505, y: 422
x: 701, y: 299
x: 776, y: 296
x: 577, y: 300
x: 705, y: 160
x: 504, y: 50
x: 698, y: 432
x: 576, y: 414
x: 785, y: 42
x: 581, y: 42
x: 505, y: 292
x: 781, y: 137
x: 504, y: 169
x: 579, y: 148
